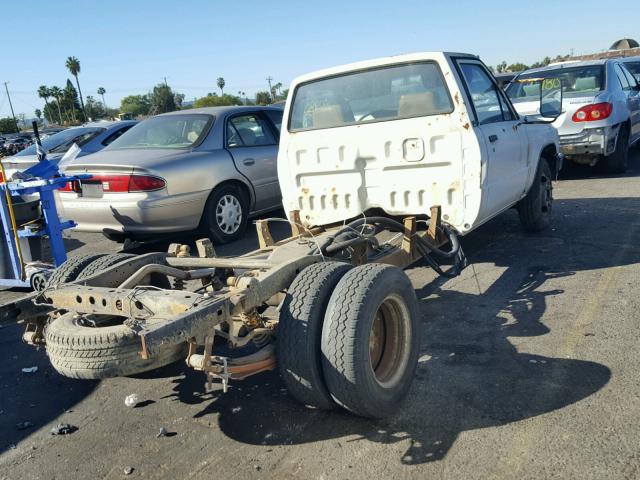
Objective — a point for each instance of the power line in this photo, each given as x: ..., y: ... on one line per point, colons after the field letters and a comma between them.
x: 11, y: 105
x: 269, y: 78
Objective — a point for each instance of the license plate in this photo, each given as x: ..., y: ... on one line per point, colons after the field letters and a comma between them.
x: 92, y: 190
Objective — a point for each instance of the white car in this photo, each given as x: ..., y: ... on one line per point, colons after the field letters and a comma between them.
x: 601, y: 115
x: 408, y: 132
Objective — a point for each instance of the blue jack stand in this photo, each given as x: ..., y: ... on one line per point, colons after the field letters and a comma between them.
x: 42, y: 179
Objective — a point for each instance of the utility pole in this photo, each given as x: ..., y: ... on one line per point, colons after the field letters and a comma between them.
x: 269, y: 78
x: 165, y: 82
x: 11, y: 106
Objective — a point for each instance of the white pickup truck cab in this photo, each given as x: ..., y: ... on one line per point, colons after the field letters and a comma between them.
x: 408, y: 132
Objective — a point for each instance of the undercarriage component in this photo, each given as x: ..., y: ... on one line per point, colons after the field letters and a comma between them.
x: 114, y: 319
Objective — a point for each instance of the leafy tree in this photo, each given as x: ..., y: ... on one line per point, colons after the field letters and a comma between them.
x: 73, y: 65
x: 38, y: 113
x: 263, y: 98
x: 517, y: 67
x: 217, y: 101
x: 178, y: 98
x: 136, y: 105
x: 56, y: 93
x: 501, y: 67
x: 7, y: 125
x: 220, y: 82
x: 101, y: 92
x: 162, y: 99
x: 70, y: 98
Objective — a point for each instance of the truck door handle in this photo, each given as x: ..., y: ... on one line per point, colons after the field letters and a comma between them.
x: 493, y: 138
x: 249, y: 161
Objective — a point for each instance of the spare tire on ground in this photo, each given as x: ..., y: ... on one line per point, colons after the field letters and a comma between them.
x: 77, y: 350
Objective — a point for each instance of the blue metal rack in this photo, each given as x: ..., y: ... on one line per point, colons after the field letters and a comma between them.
x: 41, y: 181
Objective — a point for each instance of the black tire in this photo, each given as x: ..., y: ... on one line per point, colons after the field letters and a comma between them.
x: 618, y: 161
x: 367, y: 378
x: 102, y: 263
x: 213, y: 224
x: 78, y: 351
x: 300, y: 329
x: 69, y: 270
x: 535, y: 209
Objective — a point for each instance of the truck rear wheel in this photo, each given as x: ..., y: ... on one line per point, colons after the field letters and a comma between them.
x: 77, y: 350
x: 300, y: 329
x: 370, y: 340
x: 535, y: 208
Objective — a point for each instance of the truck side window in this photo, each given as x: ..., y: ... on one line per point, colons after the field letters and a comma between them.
x: 484, y: 94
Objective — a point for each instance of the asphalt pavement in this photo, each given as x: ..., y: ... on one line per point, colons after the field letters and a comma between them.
x: 528, y: 369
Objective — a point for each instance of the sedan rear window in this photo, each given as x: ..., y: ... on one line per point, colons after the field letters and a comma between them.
x: 576, y: 82
x: 388, y: 93
x: 165, y: 131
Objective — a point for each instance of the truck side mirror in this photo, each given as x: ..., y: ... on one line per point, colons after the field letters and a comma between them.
x: 551, y: 97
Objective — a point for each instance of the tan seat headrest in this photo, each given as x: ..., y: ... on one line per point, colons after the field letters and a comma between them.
x: 328, y: 116
x: 416, y: 104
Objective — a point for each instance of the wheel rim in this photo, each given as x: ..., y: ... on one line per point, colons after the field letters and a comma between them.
x: 546, y: 192
x: 390, y: 341
x: 228, y: 214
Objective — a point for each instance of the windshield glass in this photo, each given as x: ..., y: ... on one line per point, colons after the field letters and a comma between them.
x: 165, y: 131
x: 61, y: 142
x: 388, y: 93
x: 576, y: 82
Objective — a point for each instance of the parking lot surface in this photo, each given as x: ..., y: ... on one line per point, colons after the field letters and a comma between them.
x: 528, y: 369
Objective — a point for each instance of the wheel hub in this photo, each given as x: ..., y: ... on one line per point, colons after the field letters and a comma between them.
x: 228, y: 214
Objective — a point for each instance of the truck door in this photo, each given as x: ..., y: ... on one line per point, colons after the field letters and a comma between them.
x: 503, y: 143
x: 254, y: 148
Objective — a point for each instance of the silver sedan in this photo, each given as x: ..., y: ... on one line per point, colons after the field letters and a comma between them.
x: 209, y: 168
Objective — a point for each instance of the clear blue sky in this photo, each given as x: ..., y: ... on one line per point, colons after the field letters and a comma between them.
x: 129, y: 46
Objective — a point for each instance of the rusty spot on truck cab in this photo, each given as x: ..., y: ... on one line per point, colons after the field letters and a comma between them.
x: 456, y: 97
x: 466, y: 126
x: 305, y: 191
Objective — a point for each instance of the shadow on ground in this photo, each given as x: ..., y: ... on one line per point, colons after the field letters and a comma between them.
x: 470, y: 374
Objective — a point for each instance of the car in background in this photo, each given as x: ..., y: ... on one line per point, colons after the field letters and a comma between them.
x: 504, y: 78
x: 601, y: 109
x: 206, y: 167
x: 90, y: 138
x: 14, y: 145
x: 633, y: 65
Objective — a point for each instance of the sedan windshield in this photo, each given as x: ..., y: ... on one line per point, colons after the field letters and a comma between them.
x: 165, y: 131
x: 388, y: 93
x: 61, y: 142
x: 576, y: 82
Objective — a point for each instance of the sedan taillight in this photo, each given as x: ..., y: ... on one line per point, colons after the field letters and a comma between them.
x: 128, y: 183
x: 593, y: 113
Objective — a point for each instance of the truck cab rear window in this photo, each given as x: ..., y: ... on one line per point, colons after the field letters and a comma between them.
x: 389, y: 93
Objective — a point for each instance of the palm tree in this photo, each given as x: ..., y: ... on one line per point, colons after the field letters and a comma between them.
x: 73, y: 64
x: 101, y: 92
x: 57, y: 93
x: 221, y: 84
x: 43, y: 92
x: 69, y: 95
x: 278, y: 87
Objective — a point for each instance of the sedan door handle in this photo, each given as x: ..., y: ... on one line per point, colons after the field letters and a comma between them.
x: 249, y: 161
x: 493, y: 138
